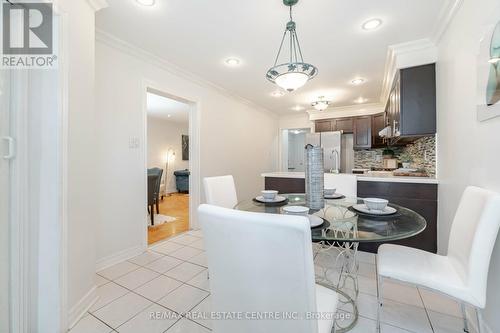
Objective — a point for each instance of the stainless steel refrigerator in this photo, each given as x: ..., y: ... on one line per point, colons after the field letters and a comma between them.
x: 331, y: 142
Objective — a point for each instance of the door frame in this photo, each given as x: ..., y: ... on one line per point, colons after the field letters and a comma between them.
x: 194, y: 149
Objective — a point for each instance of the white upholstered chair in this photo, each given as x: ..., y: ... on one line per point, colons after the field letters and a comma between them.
x: 262, y: 263
x: 463, y: 273
x: 345, y: 184
x: 220, y: 191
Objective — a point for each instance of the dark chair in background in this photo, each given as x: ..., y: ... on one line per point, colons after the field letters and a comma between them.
x: 152, y: 196
x: 159, y: 173
x: 182, y: 180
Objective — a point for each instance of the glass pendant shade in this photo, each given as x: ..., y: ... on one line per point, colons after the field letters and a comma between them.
x: 294, y: 73
x: 321, y: 104
x: 291, y: 81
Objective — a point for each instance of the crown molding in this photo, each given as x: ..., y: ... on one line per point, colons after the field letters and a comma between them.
x: 134, y: 51
x: 404, y: 55
x: 347, y: 111
x: 418, y: 52
x: 98, y: 4
x: 445, y: 17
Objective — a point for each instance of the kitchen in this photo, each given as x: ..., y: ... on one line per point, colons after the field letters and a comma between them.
x: 391, y: 150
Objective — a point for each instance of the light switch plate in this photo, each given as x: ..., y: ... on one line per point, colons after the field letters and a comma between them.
x: 133, y: 142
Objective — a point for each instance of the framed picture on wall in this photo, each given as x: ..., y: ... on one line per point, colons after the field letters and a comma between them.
x: 489, y: 74
x: 185, y: 147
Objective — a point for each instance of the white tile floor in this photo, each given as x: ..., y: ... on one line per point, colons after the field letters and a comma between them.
x: 172, y: 278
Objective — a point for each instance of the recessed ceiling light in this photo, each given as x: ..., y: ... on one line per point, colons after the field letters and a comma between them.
x: 360, y: 100
x: 372, y: 24
x: 297, y: 108
x: 358, y: 81
x: 147, y: 3
x: 169, y: 115
x: 494, y: 60
x: 277, y: 93
x: 232, y: 62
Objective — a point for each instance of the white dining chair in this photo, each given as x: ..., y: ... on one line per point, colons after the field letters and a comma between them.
x: 220, y: 191
x: 463, y: 273
x: 262, y: 264
x: 345, y: 184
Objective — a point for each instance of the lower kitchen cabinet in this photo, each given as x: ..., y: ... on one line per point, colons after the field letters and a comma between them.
x: 421, y: 198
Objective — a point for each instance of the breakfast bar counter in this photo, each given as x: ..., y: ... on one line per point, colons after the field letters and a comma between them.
x: 417, y: 193
x: 371, y: 177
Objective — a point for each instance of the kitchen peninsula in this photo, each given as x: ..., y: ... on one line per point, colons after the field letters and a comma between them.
x: 417, y: 193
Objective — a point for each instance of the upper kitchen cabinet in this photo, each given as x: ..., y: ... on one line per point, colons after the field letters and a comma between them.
x: 337, y: 124
x: 378, y: 124
x: 411, y: 107
x: 324, y: 126
x: 344, y: 124
x: 362, y: 132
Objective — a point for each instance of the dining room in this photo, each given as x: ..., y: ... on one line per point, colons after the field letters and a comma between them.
x: 324, y: 166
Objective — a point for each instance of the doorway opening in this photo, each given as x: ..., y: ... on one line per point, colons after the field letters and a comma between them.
x: 293, y: 142
x: 168, y: 165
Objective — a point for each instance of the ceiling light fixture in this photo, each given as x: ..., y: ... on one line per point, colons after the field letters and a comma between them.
x: 297, y: 108
x: 321, y: 104
x: 147, y: 3
x: 277, y: 93
x: 358, y: 81
x: 232, y: 62
x: 360, y: 100
x: 494, y: 60
x: 169, y: 115
x: 295, y: 73
x: 372, y: 24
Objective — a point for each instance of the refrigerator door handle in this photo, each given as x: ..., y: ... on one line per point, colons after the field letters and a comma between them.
x: 10, y: 148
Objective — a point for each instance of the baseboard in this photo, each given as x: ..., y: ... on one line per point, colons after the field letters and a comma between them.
x: 119, y: 257
x: 79, y: 309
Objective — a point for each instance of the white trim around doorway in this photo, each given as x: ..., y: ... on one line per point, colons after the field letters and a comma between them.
x: 194, y: 150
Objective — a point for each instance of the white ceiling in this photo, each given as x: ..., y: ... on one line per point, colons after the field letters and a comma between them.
x: 198, y: 35
x: 167, y: 109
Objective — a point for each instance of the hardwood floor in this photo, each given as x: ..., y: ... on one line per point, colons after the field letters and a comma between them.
x: 175, y: 205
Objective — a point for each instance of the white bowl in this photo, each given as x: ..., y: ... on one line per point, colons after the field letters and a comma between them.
x: 330, y: 191
x: 376, y: 203
x: 296, y: 210
x: 269, y: 194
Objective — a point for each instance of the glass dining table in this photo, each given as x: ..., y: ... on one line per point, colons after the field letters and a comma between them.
x: 336, y: 240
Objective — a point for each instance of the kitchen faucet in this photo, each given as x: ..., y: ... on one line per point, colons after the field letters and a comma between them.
x: 335, y: 154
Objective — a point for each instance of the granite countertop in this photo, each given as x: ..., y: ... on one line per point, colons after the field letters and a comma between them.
x: 373, y: 177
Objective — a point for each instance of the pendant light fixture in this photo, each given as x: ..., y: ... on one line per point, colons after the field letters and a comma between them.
x: 321, y: 104
x: 294, y: 73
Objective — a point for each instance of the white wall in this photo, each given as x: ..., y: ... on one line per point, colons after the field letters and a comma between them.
x: 300, y: 120
x: 467, y: 149
x: 162, y: 136
x: 81, y: 149
x: 235, y: 138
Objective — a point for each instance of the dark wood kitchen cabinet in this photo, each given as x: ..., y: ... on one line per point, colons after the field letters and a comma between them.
x: 411, y: 107
x: 323, y: 126
x: 378, y: 124
x: 362, y: 132
x: 344, y: 124
x: 364, y: 128
x: 421, y: 198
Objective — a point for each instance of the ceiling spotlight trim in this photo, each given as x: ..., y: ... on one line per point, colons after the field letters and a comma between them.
x: 147, y: 3
x: 365, y: 25
x: 232, y: 62
x: 358, y: 81
x: 296, y: 63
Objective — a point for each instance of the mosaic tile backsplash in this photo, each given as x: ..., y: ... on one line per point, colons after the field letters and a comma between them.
x: 423, y: 152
